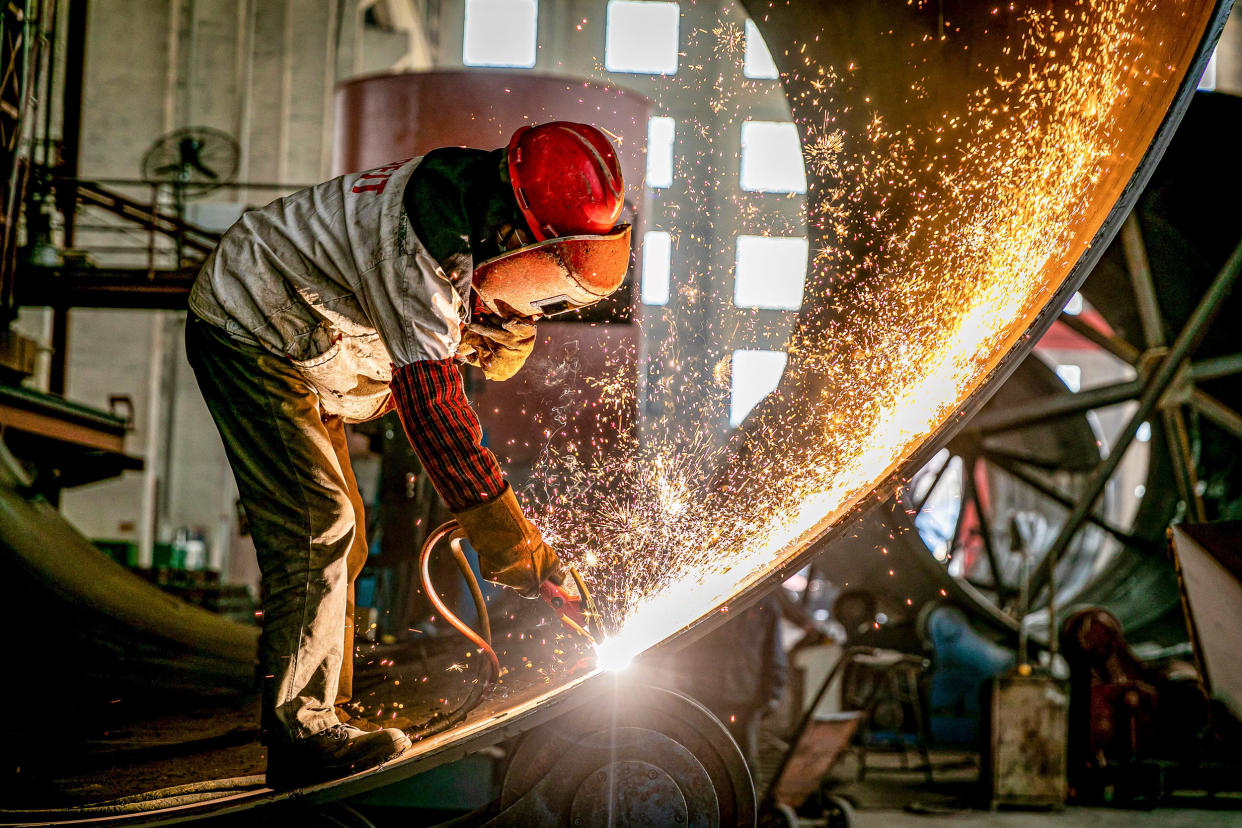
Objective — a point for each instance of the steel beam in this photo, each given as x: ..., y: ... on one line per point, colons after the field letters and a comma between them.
x: 1189, y: 338
x: 1152, y: 321
x: 104, y: 288
x: 1111, y: 343
x: 1217, y: 412
x: 985, y: 530
x: 1017, y: 472
x: 1139, y: 269
x: 1216, y: 368
x: 1039, y: 411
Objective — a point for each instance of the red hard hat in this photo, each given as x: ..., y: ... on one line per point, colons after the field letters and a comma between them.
x: 566, y: 179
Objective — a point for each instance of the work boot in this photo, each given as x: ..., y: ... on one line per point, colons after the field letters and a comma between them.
x: 340, y: 750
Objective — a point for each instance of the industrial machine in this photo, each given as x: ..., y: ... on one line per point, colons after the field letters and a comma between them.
x: 1000, y: 497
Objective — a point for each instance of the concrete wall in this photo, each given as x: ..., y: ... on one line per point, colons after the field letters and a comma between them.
x: 262, y: 71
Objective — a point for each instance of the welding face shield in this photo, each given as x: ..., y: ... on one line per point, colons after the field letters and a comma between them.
x: 554, y: 276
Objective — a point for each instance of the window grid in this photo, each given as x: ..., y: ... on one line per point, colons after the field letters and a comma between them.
x: 661, y: 138
x: 754, y: 374
x: 757, y: 61
x: 771, y: 158
x: 769, y: 272
x: 657, y: 267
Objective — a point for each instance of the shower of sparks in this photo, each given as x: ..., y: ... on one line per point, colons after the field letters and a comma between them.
x: 822, y: 154
x: 936, y: 247
x: 730, y: 39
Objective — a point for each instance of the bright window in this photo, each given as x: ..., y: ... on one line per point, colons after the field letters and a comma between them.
x: 757, y: 62
x: 754, y: 375
x: 642, y: 37
x: 500, y: 33
x: 1071, y: 375
x: 936, y: 521
x: 657, y: 267
x: 769, y: 272
x: 771, y: 158
x: 661, y: 133
x: 1208, y: 81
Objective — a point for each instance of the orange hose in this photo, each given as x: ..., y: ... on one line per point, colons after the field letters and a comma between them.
x: 424, y: 570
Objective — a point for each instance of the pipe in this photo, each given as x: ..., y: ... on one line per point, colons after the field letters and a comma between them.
x: 71, y: 152
x: 424, y: 571
x: 1216, y: 368
x: 1139, y: 270
x: 1067, y: 404
x: 1217, y: 412
x: 489, y: 667
x: 1148, y: 306
x: 1116, y: 346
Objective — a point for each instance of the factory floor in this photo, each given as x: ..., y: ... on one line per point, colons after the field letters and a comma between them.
x: 893, y: 797
x: 1095, y: 817
x: 134, y: 745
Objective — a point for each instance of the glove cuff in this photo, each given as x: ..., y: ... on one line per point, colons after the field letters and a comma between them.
x: 505, y: 540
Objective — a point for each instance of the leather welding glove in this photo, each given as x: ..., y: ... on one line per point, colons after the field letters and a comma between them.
x: 511, y: 550
x: 498, y: 346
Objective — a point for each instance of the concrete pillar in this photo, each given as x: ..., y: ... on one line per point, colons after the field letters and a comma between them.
x: 1229, y: 55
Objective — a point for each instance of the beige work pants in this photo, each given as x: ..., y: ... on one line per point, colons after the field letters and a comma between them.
x: 306, y: 517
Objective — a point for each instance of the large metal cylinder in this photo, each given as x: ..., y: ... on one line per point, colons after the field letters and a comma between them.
x: 967, y: 163
x: 994, y: 111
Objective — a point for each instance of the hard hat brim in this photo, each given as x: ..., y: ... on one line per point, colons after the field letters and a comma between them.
x: 551, y: 276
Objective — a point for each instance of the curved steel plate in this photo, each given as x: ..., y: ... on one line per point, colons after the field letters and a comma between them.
x: 865, y: 75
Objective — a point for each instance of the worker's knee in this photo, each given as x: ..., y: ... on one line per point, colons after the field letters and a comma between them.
x: 288, y: 548
x: 333, y: 534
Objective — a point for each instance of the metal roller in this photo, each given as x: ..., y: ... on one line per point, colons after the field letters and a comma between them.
x: 640, y: 756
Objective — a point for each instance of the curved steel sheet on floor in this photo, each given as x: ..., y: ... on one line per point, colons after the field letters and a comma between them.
x: 81, y: 624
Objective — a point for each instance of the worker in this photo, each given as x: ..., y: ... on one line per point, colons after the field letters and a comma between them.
x: 344, y: 300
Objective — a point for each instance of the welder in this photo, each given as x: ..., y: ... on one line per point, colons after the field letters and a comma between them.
x: 344, y: 300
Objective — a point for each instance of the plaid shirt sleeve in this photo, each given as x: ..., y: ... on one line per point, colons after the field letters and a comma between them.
x: 444, y: 431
